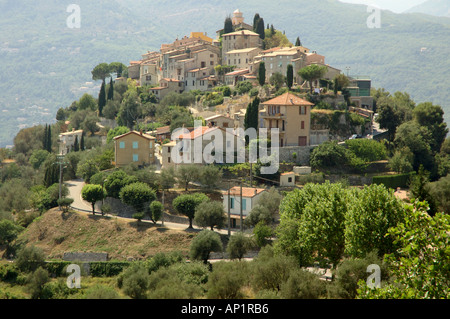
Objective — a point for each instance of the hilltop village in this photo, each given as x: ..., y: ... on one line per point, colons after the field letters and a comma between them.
x: 235, y: 166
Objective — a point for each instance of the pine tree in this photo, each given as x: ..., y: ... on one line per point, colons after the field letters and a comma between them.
x: 290, y: 76
x: 101, y: 99
x: 298, y: 43
x: 111, y: 90
x: 76, y: 146
x: 262, y: 73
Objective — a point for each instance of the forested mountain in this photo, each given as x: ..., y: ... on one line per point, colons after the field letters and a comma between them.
x: 440, y: 8
x: 45, y: 65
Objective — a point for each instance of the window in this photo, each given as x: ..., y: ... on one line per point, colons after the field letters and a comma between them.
x: 151, y: 144
x: 244, y: 204
x: 135, y: 157
x: 289, y: 179
x: 302, y: 109
x: 231, y: 203
x: 135, y: 145
x: 122, y: 145
x: 303, y: 125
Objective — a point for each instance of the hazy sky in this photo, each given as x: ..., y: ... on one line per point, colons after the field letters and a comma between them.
x: 392, y: 5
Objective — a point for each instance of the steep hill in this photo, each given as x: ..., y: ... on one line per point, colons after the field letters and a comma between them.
x: 45, y: 65
x: 57, y: 232
x: 440, y: 8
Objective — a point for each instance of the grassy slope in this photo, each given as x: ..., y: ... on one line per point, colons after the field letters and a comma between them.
x: 57, y: 233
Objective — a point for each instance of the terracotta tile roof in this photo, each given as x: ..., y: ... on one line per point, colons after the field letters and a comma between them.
x: 163, y: 130
x: 287, y: 99
x: 246, y: 191
x: 148, y: 137
x: 241, y: 32
x: 237, y: 72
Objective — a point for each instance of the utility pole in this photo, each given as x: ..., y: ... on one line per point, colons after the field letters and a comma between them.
x: 229, y: 214
x: 162, y: 219
x: 242, y: 219
x: 60, y: 161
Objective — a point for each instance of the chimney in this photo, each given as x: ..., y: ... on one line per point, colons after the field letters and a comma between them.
x: 140, y: 131
x: 255, y: 191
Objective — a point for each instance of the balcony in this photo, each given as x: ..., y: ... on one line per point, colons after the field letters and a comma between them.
x: 273, y: 115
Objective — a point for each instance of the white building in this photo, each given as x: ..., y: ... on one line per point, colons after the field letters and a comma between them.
x: 250, y: 197
x: 67, y: 140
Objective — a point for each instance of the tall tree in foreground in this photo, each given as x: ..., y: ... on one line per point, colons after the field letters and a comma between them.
x: 421, y: 265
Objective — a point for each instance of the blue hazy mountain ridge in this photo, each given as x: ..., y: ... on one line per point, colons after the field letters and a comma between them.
x: 44, y: 65
x: 440, y: 8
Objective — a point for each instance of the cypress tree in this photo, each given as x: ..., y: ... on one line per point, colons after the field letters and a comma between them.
x: 260, y: 29
x: 82, y: 142
x: 49, y: 139
x: 255, y: 21
x: 51, y: 175
x: 76, y: 146
x: 255, y: 111
x: 228, y: 26
x: 262, y: 73
x: 44, y: 139
x: 272, y: 30
x: 101, y: 99
x: 298, y: 43
x: 289, y: 76
x: 111, y: 90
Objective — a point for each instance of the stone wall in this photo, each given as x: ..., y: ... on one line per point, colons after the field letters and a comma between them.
x: 85, y: 256
x: 302, y: 154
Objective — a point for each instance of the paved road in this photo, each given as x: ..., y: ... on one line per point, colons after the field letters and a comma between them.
x: 75, y: 186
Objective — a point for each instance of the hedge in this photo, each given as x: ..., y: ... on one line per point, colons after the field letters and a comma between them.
x: 394, y: 181
x: 96, y: 269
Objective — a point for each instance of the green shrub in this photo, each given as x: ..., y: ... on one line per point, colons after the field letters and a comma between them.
x: 57, y: 268
x: 107, y: 268
x: 8, y: 272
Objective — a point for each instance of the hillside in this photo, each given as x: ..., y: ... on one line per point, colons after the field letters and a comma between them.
x: 45, y: 65
x: 440, y: 8
x: 57, y: 232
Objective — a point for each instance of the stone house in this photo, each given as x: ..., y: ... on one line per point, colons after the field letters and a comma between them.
x: 67, y: 140
x: 291, y: 115
x: 134, y: 147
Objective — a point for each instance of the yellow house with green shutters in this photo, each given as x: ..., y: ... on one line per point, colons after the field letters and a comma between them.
x: 134, y: 147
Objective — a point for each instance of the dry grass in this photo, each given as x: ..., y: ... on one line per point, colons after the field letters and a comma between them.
x: 56, y: 233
